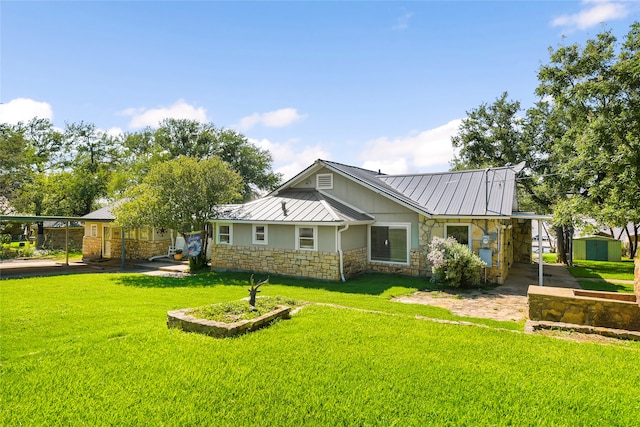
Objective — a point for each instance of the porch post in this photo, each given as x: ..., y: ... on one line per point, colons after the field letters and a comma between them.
x: 66, y: 243
x: 122, y: 256
x: 540, y: 274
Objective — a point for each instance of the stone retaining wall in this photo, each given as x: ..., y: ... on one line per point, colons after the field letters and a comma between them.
x: 91, y: 247
x: 594, y: 308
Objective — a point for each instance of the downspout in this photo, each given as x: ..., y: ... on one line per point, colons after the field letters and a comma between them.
x: 346, y: 227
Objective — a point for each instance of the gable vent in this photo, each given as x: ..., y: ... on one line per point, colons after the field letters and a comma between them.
x: 324, y: 181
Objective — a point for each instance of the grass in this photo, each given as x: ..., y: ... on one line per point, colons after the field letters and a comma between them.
x: 95, y: 350
x: 622, y: 270
x: 603, y: 285
x: 233, y: 311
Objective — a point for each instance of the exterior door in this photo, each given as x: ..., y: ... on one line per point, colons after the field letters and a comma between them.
x: 597, y: 250
x: 106, y: 241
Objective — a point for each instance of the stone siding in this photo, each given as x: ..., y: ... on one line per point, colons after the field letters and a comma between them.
x: 594, y: 308
x: 413, y: 269
x: 139, y: 249
x: 354, y: 262
x: 522, y: 241
x: 91, y: 247
x: 288, y: 262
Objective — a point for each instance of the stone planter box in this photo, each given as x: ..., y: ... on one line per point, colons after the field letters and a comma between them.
x: 179, y: 319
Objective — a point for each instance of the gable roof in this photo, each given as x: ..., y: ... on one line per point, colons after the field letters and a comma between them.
x: 304, y: 205
x: 104, y: 213
x: 479, y: 192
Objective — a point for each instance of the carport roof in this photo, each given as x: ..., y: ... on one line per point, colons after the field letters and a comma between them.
x: 38, y: 218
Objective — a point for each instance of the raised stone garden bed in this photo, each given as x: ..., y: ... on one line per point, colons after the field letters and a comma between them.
x: 181, y: 320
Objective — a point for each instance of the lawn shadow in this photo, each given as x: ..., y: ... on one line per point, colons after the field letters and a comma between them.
x: 366, y: 284
x: 603, y: 285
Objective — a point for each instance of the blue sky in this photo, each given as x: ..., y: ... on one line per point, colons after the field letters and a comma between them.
x: 381, y: 85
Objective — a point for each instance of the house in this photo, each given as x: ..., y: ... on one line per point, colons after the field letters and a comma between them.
x: 332, y: 221
x: 103, y: 240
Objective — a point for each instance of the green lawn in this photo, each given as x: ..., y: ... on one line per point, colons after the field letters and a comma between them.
x: 95, y: 350
x: 602, y: 269
x: 603, y: 285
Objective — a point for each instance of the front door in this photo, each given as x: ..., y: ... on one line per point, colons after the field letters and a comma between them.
x: 106, y: 241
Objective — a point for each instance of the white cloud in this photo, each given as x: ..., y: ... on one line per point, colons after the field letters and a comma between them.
x: 23, y: 110
x: 402, y: 23
x: 427, y: 151
x: 288, y: 159
x: 273, y: 119
x: 593, y: 13
x: 115, y: 132
x: 142, y: 117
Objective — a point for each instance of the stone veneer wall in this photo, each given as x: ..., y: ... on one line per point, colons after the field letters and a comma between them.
x: 354, y: 262
x: 139, y: 249
x: 636, y: 279
x: 522, y: 241
x: 91, y: 247
x: 501, y: 260
x: 413, y: 269
x: 288, y: 262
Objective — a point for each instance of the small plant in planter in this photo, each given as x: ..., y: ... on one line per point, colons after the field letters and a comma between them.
x: 253, y: 291
x: 178, y: 254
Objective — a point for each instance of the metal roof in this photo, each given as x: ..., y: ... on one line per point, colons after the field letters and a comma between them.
x: 297, y: 206
x: 103, y: 214
x: 480, y: 192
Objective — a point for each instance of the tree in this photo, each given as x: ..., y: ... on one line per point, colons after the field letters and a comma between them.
x: 190, y: 138
x: 181, y: 194
x: 596, y: 92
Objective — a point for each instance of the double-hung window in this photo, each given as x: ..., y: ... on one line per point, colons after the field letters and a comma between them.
x: 224, y: 234
x: 260, y: 234
x: 389, y: 242
x: 306, y: 237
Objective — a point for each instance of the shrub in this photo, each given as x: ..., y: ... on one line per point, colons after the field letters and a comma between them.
x: 453, y: 263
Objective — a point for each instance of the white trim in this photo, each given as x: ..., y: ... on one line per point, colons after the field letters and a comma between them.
x: 465, y: 224
x: 405, y: 225
x: 230, y: 234
x: 315, y: 238
x: 254, y: 233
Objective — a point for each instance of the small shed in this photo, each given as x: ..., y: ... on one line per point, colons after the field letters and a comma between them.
x: 597, y: 248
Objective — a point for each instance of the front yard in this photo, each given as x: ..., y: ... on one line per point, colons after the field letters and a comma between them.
x: 95, y: 350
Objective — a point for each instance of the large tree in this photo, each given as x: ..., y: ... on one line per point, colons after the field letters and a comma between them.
x: 179, y: 137
x: 182, y: 194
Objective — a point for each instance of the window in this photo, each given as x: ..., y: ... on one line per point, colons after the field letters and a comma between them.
x: 460, y: 232
x: 129, y: 233
x: 259, y: 234
x: 144, y: 233
x: 224, y: 234
x: 94, y: 230
x: 389, y: 243
x: 306, y: 238
x: 324, y: 181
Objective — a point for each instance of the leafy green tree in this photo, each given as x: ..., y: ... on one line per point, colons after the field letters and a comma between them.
x: 181, y: 194
x: 177, y: 137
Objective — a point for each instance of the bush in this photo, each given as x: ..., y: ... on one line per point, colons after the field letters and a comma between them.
x: 5, y: 239
x: 453, y: 263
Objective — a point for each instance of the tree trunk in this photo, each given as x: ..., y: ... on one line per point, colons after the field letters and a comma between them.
x: 560, y: 247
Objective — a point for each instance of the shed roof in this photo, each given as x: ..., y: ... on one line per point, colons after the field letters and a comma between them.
x: 104, y: 213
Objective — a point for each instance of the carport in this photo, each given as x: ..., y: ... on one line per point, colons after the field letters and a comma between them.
x: 31, y: 219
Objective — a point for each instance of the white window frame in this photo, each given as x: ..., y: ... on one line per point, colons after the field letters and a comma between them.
x: 405, y: 225
x: 460, y: 224
x: 315, y: 237
x: 255, y: 239
x: 230, y: 234
x: 94, y: 230
x: 319, y: 179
